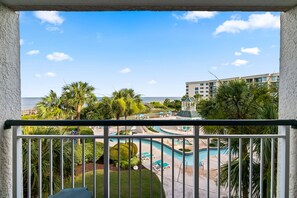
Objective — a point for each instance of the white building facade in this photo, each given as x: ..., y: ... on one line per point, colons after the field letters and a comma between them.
x: 208, y: 88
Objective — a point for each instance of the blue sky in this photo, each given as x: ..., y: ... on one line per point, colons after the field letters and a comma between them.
x: 154, y: 53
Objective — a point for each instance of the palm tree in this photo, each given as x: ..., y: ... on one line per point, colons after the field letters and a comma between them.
x: 105, y: 108
x: 118, y: 108
x: 132, y: 102
x: 238, y: 100
x: 50, y: 107
x: 76, y: 95
x: 166, y: 102
x: 56, y: 145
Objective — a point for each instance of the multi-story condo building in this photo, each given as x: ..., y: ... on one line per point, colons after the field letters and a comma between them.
x: 208, y: 88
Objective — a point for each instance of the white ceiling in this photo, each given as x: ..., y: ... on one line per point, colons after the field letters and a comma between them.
x: 92, y: 5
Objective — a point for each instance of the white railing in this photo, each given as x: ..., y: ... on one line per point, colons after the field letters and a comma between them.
x: 198, y: 188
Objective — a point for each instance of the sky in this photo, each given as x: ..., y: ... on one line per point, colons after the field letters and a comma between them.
x: 154, y: 53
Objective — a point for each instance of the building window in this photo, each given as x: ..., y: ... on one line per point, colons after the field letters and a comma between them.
x: 206, y: 92
x: 206, y: 87
x: 206, y: 84
x: 201, y: 87
x: 201, y: 84
x: 196, y: 88
x: 201, y: 91
x: 274, y: 78
x: 249, y: 80
x: 258, y: 79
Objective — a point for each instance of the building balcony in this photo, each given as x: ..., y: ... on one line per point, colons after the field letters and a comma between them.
x: 187, y: 164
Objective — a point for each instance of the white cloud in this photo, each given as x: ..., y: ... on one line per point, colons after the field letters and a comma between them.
x: 51, y: 17
x: 152, y: 82
x: 237, y: 53
x: 37, y: 75
x: 59, y: 56
x: 235, y: 16
x: 53, y: 29
x: 255, y: 21
x: 125, y: 70
x: 252, y: 50
x: 22, y: 41
x: 239, y: 62
x: 51, y: 74
x: 33, y: 52
x: 194, y: 16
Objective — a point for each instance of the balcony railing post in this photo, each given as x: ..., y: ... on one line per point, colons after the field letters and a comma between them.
x: 106, y: 163
x: 17, y: 163
x: 283, y: 162
x: 196, y: 162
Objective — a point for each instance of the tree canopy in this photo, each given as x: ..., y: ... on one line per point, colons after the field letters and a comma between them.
x: 239, y: 100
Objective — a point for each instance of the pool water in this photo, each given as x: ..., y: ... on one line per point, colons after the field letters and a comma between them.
x: 189, y: 158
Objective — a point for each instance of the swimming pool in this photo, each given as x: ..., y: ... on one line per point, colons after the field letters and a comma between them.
x: 177, y: 141
x: 189, y: 158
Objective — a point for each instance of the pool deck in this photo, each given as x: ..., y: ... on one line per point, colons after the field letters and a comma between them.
x: 178, y: 173
x: 189, y: 177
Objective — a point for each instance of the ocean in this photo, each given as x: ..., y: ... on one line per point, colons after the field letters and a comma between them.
x: 30, y: 102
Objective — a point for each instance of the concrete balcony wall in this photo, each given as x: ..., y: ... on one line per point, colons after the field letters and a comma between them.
x: 10, y: 91
x: 288, y: 86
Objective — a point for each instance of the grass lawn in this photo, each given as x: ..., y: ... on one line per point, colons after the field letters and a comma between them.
x: 135, y: 184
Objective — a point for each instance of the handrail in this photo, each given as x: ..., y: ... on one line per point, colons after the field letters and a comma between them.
x: 289, y: 122
x: 282, y: 137
x: 260, y: 136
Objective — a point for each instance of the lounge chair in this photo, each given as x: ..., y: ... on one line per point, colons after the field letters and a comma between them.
x: 146, y: 156
x: 158, y: 165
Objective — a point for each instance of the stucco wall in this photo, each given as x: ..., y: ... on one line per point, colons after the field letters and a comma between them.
x: 10, y: 92
x: 288, y: 86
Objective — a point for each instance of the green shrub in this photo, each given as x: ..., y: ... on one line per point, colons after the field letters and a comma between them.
x: 89, y: 157
x: 124, y: 164
x: 214, y: 143
x: 77, y: 154
x: 29, y: 117
x: 124, y: 151
x: 158, y: 105
x: 56, y: 154
x: 86, y: 131
x: 152, y: 129
x: 89, y: 151
x: 186, y: 150
x: 135, y: 161
x: 211, y: 144
x: 133, y: 148
x: 123, y: 132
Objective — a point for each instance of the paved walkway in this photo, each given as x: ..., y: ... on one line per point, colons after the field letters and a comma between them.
x: 189, y: 178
